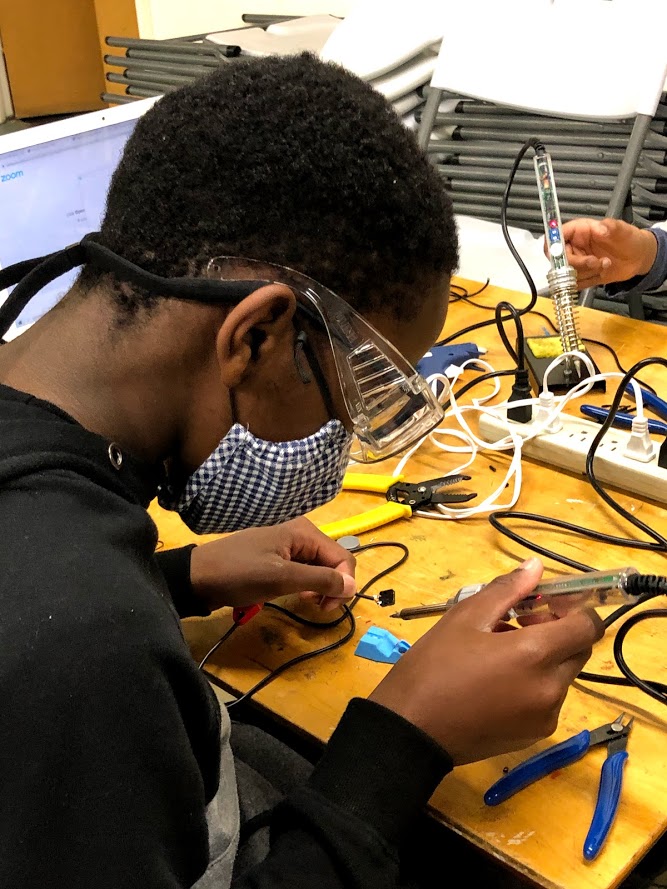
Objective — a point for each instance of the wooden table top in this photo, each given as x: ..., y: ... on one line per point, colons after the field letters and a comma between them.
x: 539, y: 832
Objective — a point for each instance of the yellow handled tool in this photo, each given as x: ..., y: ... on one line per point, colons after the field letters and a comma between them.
x: 403, y: 499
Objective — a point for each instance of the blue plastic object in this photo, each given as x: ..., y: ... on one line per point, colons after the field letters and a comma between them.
x: 537, y: 767
x: 609, y: 794
x: 378, y: 644
x: 439, y: 358
x: 622, y: 420
x: 651, y: 401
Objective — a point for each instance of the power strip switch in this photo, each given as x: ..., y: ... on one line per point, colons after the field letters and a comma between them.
x: 568, y: 448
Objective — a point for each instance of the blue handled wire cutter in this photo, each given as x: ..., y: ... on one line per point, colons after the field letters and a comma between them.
x: 624, y: 418
x: 615, y: 736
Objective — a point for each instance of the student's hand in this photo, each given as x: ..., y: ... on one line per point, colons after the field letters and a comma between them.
x: 606, y: 251
x: 479, y: 692
x: 263, y: 563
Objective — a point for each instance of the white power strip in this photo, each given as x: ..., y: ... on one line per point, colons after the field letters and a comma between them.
x: 568, y: 448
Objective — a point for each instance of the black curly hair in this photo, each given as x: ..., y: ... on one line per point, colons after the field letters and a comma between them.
x: 288, y: 160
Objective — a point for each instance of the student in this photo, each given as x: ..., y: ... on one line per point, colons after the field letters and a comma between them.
x: 614, y: 253
x: 216, y: 385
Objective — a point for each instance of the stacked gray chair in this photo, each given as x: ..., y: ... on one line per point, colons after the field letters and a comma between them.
x: 474, y: 145
x: 599, y: 116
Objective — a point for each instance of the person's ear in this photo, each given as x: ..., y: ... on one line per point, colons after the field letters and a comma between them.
x: 255, y: 328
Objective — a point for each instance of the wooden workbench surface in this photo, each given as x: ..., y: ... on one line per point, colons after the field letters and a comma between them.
x: 539, y: 832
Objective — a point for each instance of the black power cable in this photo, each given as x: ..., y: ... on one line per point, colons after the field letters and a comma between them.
x: 531, y: 143
x: 657, y: 543
x: 518, y: 355
x: 464, y: 297
x: 597, y: 487
x: 657, y: 690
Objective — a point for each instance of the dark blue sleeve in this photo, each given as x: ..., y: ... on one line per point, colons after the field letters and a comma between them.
x: 643, y: 283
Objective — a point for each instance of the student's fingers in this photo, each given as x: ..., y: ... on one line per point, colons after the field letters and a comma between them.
x: 308, y: 544
x: 569, y: 636
x: 296, y: 577
x: 490, y: 605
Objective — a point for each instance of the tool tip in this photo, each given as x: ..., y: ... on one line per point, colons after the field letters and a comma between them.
x: 395, y: 614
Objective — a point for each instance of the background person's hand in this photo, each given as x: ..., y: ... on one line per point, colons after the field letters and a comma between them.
x: 608, y: 250
x: 259, y: 564
x: 479, y: 692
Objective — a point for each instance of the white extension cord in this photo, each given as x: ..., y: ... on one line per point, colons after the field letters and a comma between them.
x: 567, y: 449
x: 626, y: 460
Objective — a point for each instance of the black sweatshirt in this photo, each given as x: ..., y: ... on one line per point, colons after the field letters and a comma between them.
x: 109, y: 735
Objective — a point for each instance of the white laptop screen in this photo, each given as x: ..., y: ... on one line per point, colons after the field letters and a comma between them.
x: 53, y: 192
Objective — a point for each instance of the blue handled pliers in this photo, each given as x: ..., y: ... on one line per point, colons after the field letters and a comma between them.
x: 615, y: 736
x: 623, y: 419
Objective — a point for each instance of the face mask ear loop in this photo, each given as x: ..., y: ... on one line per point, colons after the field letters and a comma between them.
x: 235, y: 420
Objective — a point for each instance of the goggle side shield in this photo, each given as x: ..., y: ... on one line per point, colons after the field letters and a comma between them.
x: 389, y: 404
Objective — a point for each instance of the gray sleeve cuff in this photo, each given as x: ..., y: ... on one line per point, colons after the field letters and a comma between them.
x: 655, y: 277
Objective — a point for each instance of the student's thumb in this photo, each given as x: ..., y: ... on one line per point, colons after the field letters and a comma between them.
x: 491, y: 604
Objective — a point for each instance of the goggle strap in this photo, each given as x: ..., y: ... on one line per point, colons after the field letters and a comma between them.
x: 201, y: 290
x: 39, y: 273
x: 31, y: 275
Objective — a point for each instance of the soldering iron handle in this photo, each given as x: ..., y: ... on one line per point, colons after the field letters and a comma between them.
x: 609, y: 794
x: 537, y: 767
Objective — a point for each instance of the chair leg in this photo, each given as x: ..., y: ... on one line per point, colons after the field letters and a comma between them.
x: 630, y: 159
x: 428, y: 117
x: 636, y: 306
x: 586, y: 297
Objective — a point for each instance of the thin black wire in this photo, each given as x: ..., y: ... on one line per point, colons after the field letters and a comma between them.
x: 481, y: 379
x: 304, y: 621
x: 465, y: 299
x: 464, y: 295
x: 656, y: 690
x: 393, y: 567
x: 297, y: 618
x: 308, y: 655
x: 214, y: 648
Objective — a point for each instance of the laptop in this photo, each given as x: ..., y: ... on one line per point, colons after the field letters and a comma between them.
x: 54, y: 180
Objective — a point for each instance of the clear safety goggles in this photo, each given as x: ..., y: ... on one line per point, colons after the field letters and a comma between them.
x: 390, y: 406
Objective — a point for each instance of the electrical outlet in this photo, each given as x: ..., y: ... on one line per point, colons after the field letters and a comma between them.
x: 567, y: 449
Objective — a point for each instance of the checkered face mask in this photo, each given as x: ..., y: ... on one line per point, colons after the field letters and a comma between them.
x: 248, y: 482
